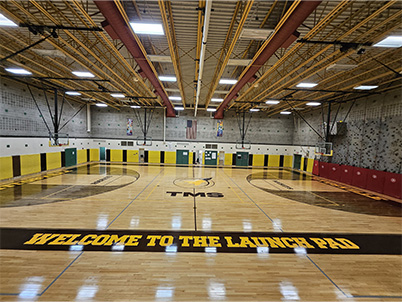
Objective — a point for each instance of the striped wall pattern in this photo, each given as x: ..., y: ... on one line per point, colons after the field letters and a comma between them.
x: 169, y: 157
x: 20, y: 165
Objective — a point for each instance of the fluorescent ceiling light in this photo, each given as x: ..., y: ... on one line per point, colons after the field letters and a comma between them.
x: 211, y: 109
x: 73, y: 93
x: 117, y: 95
x: 221, y: 91
x: 216, y: 100
x: 286, y: 112
x: 135, y: 107
x: 6, y: 22
x: 175, y: 98
x: 366, y: 87
x: 147, y: 28
x: 168, y: 78
x: 101, y: 105
x: 179, y: 108
x: 83, y: 74
x: 18, y: 71
x: 306, y: 85
x: 254, y: 109
x: 272, y: 102
x: 227, y: 81
x: 313, y: 104
x: 256, y: 33
x: 239, y: 62
x: 391, y: 41
x: 155, y: 58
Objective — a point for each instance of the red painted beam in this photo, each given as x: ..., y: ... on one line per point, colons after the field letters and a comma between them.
x: 302, y: 11
x: 120, y: 28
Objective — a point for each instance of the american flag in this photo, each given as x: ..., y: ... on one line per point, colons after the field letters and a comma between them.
x: 191, y: 130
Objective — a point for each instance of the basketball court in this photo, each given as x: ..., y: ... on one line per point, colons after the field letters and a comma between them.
x: 200, y: 150
x: 114, y: 232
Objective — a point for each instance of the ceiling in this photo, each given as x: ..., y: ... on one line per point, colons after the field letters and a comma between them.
x: 354, y: 24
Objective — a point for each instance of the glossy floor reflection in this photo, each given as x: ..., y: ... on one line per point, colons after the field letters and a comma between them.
x: 142, y: 199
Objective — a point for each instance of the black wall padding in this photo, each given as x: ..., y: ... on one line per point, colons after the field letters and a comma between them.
x: 43, y: 162
x: 162, y: 157
x: 16, y: 165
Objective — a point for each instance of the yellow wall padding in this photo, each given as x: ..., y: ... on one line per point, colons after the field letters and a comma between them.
x: 81, y: 156
x: 53, y: 160
x: 288, y: 161
x: 273, y: 160
x: 190, y: 157
x: 6, y: 167
x: 30, y: 164
x: 310, y: 164
x: 228, y: 159
x: 302, y: 164
x: 132, y: 156
x: 94, y: 153
x: 258, y: 160
x: 116, y: 155
x: 154, y: 157
x: 170, y: 157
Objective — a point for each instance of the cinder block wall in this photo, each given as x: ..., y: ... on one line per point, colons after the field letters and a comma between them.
x: 373, y: 137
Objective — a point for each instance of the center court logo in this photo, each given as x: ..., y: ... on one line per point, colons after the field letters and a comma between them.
x: 194, y: 182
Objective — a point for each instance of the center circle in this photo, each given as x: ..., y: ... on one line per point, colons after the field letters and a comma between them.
x: 194, y: 182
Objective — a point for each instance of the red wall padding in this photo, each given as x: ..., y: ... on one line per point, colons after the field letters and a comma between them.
x: 316, y: 167
x: 346, y: 174
x: 323, y: 169
x: 334, y: 171
x: 375, y: 181
x: 392, y: 184
x: 359, y: 178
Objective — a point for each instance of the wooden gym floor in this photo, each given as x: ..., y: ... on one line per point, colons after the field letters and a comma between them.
x: 167, y: 233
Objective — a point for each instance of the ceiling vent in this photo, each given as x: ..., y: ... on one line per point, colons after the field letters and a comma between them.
x: 341, y: 67
x: 163, y: 59
x: 239, y: 62
x: 50, y: 53
x: 256, y: 33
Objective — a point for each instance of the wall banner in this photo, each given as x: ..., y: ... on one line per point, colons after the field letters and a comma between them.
x: 129, y: 126
x: 219, y: 128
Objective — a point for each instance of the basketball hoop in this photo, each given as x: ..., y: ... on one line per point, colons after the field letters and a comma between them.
x: 243, y: 145
x: 58, y: 139
x: 144, y: 142
x: 323, y: 149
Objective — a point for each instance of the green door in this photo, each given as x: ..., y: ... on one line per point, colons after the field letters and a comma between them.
x: 242, y: 159
x: 182, y: 157
x: 296, y: 161
x: 102, y: 153
x: 71, y: 157
x: 211, y: 157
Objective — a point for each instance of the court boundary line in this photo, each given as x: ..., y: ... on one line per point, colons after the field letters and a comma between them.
x: 51, y: 283
x: 321, y: 270
x: 281, y: 230
x: 133, y: 200
x: 251, y: 200
x: 55, y: 279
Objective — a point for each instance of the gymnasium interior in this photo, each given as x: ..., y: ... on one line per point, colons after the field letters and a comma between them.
x: 210, y: 150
